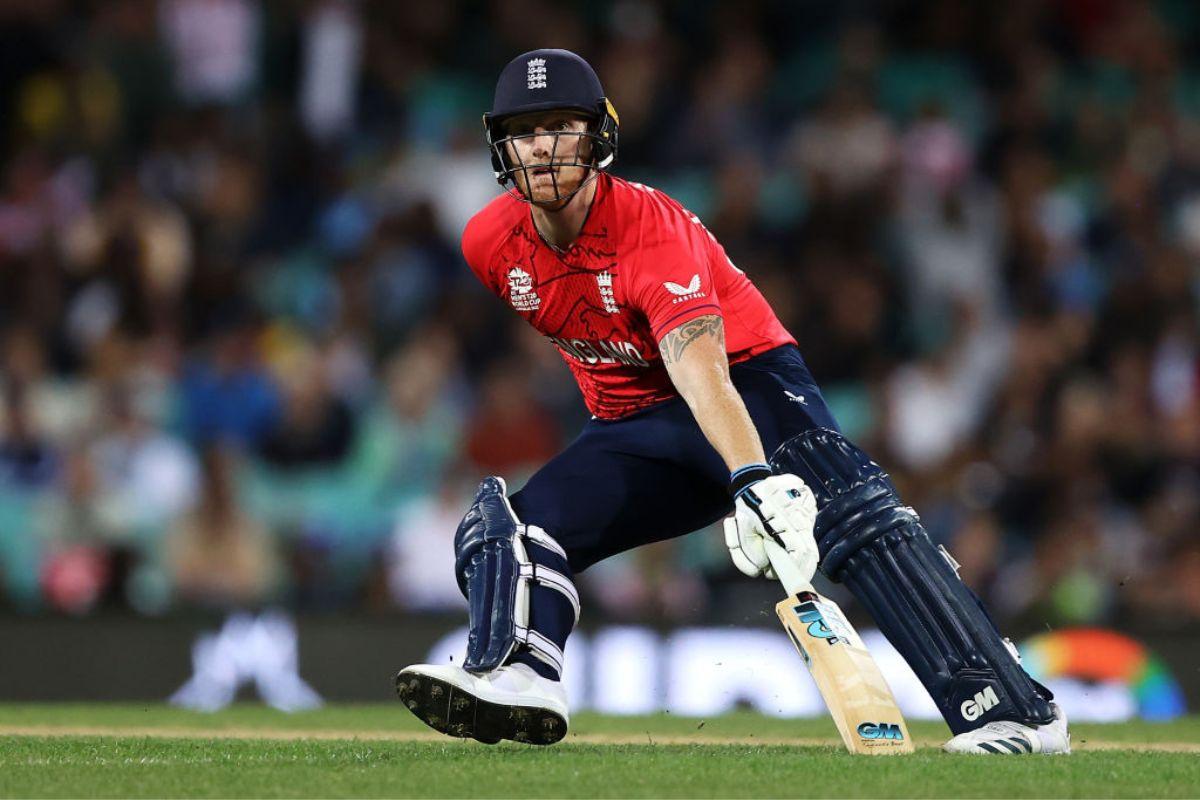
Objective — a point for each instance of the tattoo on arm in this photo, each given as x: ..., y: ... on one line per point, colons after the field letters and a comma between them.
x: 674, y: 343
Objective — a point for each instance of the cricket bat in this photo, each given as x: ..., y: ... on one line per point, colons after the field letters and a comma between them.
x: 859, y: 699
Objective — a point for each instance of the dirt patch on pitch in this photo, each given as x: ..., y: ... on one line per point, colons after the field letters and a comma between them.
x: 277, y: 734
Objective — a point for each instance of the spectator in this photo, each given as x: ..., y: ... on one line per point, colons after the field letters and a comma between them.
x: 509, y: 433
x: 422, y: 544
x: 315, y: 427
x: 144, y: 477
x: 26, y: 459
x: 217, y: 555
x: 226, y: 395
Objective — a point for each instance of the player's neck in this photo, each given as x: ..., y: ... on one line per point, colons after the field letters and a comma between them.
x: 559, y: 228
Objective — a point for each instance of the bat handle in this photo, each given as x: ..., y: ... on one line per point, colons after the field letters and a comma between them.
x: 793, y: 580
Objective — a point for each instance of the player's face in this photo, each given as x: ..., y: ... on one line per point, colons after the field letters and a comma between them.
x: 547, y: 148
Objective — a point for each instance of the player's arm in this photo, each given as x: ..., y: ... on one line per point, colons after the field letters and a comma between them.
x: 779, y: 506
x: 695, y: 358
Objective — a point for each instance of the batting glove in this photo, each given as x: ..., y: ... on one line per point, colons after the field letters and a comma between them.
x: 779, y: 506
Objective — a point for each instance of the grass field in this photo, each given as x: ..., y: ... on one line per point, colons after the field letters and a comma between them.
x: 380, y: 750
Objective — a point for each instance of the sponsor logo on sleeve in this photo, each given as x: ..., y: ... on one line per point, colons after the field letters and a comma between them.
x: 685, y: 293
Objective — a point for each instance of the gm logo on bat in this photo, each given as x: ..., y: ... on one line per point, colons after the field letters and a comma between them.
x: 818, y: 628
x: 880, y: 730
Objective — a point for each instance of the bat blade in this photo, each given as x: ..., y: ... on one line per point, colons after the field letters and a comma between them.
x: 858, y: 697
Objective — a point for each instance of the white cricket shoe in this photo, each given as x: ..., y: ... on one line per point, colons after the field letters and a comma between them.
x: 1013, y: 738
x: 511, y: 702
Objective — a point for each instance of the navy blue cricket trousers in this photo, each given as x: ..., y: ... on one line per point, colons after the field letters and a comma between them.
x: 653, y: 475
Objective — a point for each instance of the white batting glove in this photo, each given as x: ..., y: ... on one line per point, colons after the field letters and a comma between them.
x: 779, y: 506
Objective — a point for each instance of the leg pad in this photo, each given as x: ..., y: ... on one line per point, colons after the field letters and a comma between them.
x: 513, y: 576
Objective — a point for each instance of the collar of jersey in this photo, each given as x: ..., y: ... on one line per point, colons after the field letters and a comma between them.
x: 589, y: 221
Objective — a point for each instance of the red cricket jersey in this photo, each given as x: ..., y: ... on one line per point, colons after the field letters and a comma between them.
x: 641, y: 266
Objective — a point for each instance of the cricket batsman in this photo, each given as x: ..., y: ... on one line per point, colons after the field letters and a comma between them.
x: 701, y: 408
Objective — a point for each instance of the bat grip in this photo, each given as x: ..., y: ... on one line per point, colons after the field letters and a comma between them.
x: 793, y: 580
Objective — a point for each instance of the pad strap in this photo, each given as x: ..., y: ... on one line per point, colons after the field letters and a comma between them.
x: 555, y: 580
x: 542, y: 647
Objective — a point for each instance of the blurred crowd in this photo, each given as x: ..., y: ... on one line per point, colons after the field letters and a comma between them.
x: 243, y: 363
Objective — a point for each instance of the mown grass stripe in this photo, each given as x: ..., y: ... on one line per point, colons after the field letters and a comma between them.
x: 146, y: 767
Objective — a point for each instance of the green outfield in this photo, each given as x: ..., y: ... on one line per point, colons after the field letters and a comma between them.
x: 381, y: 751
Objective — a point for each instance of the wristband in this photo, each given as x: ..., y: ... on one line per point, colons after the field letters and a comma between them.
x: 743, y: 478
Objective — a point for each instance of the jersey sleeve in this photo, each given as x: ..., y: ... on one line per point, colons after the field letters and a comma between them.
x: 477, y: 250
x: 673, y: 282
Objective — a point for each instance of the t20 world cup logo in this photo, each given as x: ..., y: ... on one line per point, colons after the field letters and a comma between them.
x: 520, y: 290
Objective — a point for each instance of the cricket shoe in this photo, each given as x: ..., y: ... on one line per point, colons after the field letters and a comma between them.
x: 511, y: 702
x: 1013, y: 738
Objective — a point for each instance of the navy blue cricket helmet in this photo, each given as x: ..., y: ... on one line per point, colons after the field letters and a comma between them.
x: 549, y: 80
